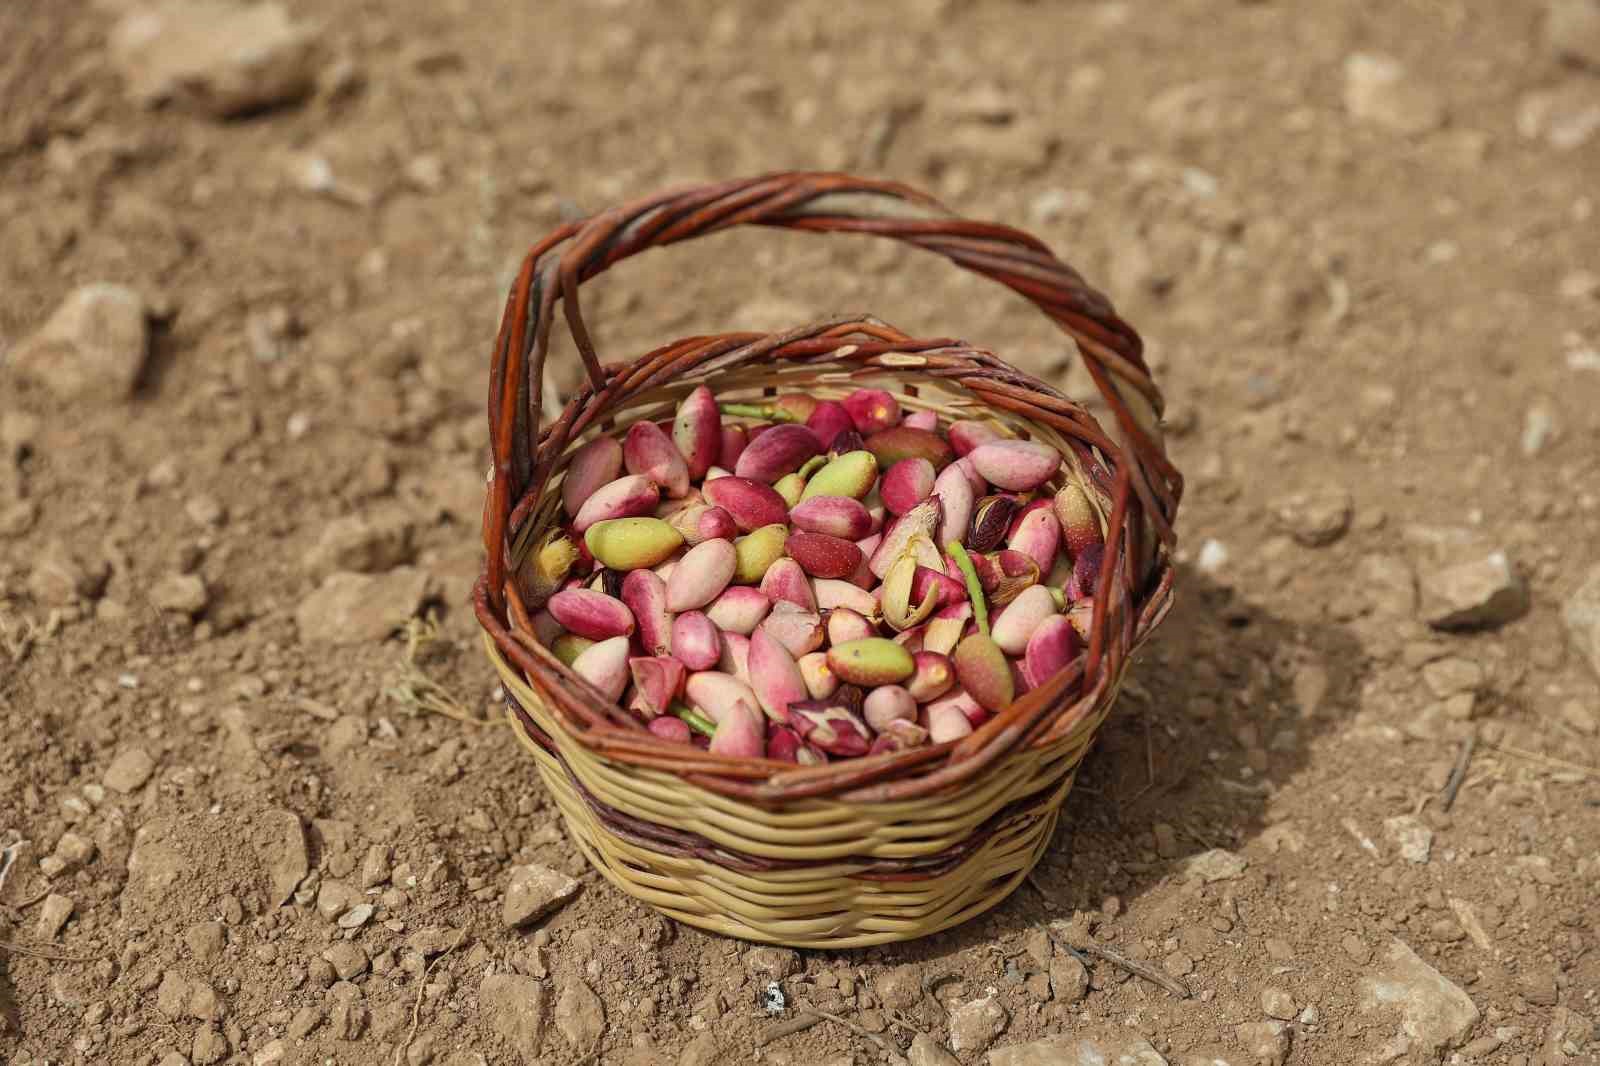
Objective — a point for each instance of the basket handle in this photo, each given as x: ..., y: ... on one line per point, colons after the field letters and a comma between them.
x: 817, y: 202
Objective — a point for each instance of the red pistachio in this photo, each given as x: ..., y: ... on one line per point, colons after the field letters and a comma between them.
x: 786, y: 582
x: 627, y: 497
x: 595, y: 464
x: 1018, y: 465
x: 657, y: 681
x: 891, y: 446
x: 982, y: 669
x: 645, y: 595
x: 697, y: 431
x: 591, y: 614
x: 872, y: 409
x: 751, y: 503
x: 649, y: 452
x: 830, y: 726
x: 780, y: 450
x: 906, y: 484
x: 926, y: 420
x: 829, y: 419
x: 821, y: 555
x: 837, y: 516
x: 966, y: 435
x: 695, y: 641
x: 933, y: 678
x: 734, y: 440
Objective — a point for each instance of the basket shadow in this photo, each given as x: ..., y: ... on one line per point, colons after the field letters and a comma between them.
x: 1220, y: 708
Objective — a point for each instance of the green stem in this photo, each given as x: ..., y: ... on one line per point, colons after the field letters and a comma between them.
x: 694, y: 719
x: 980, y: 610
x: 755, y: 410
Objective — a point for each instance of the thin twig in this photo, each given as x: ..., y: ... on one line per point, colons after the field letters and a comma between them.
x: 1133, y: 966
x: 1458, y: 773
x: 883, y: 1045
x: 8, y: 859
x: 788, y: 1027
x: 418, y: 689
x: 1548, y: 760
x: 422, y: 984
x: 53, y: 956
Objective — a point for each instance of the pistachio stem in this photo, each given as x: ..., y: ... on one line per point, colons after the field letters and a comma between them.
x: 755, y: 410
x: 980, y: 610
x: 694, y: 719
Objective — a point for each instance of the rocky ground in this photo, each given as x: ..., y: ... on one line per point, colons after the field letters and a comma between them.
x: 252, y: 260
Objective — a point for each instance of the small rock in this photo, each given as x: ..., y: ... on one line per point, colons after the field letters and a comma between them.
x: 172, y: 997
x: 926, y: 1051
x: 513, y: 1007
x: 209, y: 1046
x: 1572, y: 30
x: 1267, y: 1041
x: 334, y: 897
x: 1178, y: 964
x: 1379, y: 91
x: 361, y: 544
x: 1069, y: 978
x: 1317, y: 518
x: 93, y: 346
x: 435, y: 940
x: 348, y: 960
x: 1414, y: 839
x: 1279, y: 949
x: 305, y: 1021
x: 356, y: 916
x: 1539, y: 988
x: 61, y: 577
x: 1076, y: 1050
x: 580, y: 1016
x: 1276, y: 1003
x: 771, y: 963
x: 205, y: 510
x: 376, y: 866
x: 1212, y: 558
x: 534, y: 892
x: 358, y: 608
x: 1434, y: 1013
x: 1581, y: 615
x: 53, y: 914
x: 1215, y: 865
x: 273, y: 1051
x: 206, y: 940
x: 282, y: 850
x: 1388, y: 585
x: 17, y: 518
x: 180, y: 594
x: 1481, y: 593
x: 73, y: 851
x: 129, y: 771
x: 1452, y: 676
x: 1565, y: 117
x: 900, y: 988
x: 1356, y: 949
x: 349, y: 1016
x: 974, y: 1025
x: 219, y: 59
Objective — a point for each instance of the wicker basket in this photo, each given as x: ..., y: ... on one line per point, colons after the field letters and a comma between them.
x: 863, y: 851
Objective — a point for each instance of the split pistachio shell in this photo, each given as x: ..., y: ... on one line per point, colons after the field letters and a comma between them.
x: 944, y: 631
x: 1037, y: 534
x: 595, y: 464
x: 719, y: 695
x: 1053, y: 645
x: 778, y: 451
x: 632, y: 543
x: 790, y: 487
x: 605, y: 666
x: 1018, y: 465
x: 697, y: 431
x: 991, y: 518
x: 1080, y: 527
x: 966, y: 435
x: 910, y: 534
x: 851, y: 474
x: 888, y: 703
x: 1013, y: 626
x: 716, y: 473
x: 845, y: 625
x: 834, y: 728
x: 591, y: 614
x: 933, y: 677
x: 837, y: 516
x: 645, y: 595
x: 647, y: 451
x: 739, y: 610
x: 900, y: 609
x: 829, y: 419
x: 906, y: 484
x: 833, y: 593
x: 734, y: 440
x: 821, y: 681
x: 785, y: 582
x: 924, y: 420
x: 657, y: 681
x: 758, y: 551
x: 899, y: 735
x: 798, y: 630
x: 1086, y: 572
x: 701, y: 575
x: 774, y: 675
x: 626, y: 497
x: 872, y: 410
x: 956, y: 499
x: 947, y: 721
x: 568, y: 646
x: 735, y: 656
x: 695, y: 641
x: 892, y: 446
x: 821, y: 555
x: 1081, y: 614
x: 870, y: 662
x: 847, y: 441
x: 741, y: 735
x: 1004, y: 574
x: 982, y: 669
x: 751, y: 503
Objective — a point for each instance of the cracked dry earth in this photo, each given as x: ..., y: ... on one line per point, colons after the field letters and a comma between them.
x: 244, y: 316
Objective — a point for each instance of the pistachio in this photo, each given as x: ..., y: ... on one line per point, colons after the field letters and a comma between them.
x: 982, y: 669
x: 1080, y: 526
x: 790, y: 488
x: 626, y: 497
x: 695, y: 641
x: 869, y: 662
x: 568, y: 646
x: 829, y: 419
x: 990, y: 520
x: 670, y: 729
x: 632, y: 543
x: 774, y: 675
x: 1018, y: 465
x: 837, y: 516
x: 734, y: 440
x: 924, y: 420
x: 888, y: 703
x: 933, y: 677
x: 783, y: 744
x: 906, y: 484
x: 645, y: 595
x: 947, y: 718
x: 701, y: 575
x: 821, y: 555
x: 697, y: 431
x: 751, y: 503
x: 738, y: 610
x: 757, y: 551
x: 832, y: 593
x: 648, y: 452
x: 845, y: 625
x: 966, y: 436
x: 821, y: 682
x: 851, y: 474
x: 741, y: 735
x: 1053, y: 645
x: 1004, y: 574
x: 605, y: 666
x: 872, y: 409
x: 799, y: 630
x: 591, y: 614
x: 830, y: 726
x: 734, y: 655
x: 719, y: 695
x: 1013, y: 626
x: 957, y: 498
x: 794, y: 406
x: 595, y: 464
x: 944, y: 631
x: 778, y: 451
x: 1086, y: 572
x: 898, y: 736
x: 947, y: 589
x: 912, y: 532
x: 895, y: 595
x: 657, y: 682
x: 845, y: 442
x: 1036, y: 533
x: 784, y: 581
x: 891, y: 446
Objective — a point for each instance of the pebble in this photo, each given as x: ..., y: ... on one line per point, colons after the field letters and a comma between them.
x: 926, y: 1051
x: 282, y: 850
x: 513, y: 1007
x: 348, y: 960
x: 1483, y: 592
x: 334, y: 897
x: 899, y: 988
x: 580, y: 1016
x: 1434, y: 1014
x: 1581, y: 616
x: 1069, y: 978
x: 129, y: 771
x: 349, y: 1016
x: 53, y: 915
x: 1212, y: 558
x: 271, y: 1052
x: 1411, y: 836
x: 180, y: 594
x: 1539, y: 988
x: 93, y: 346
x: 1355, y: 948
x: 1379, y: 91
x: 1178, y: 964
x: 376, y: 865
x: 209, y: 1046
x: 1315, y: 518
x: 205, y: 510
x: 305, y: 1021
x: 1572, y: 30
x: 772, y: 963
x: 975, y: 1025
x: 72, y: 852
x: 61, y: 577
x: 206, y: 940
x: 1276, y: 1003
x: 1452, y: 676
x: 1269, y: 1042
x: 350, y: 608
x: 1565, y: 117
x: 219, y: 59
x: 1214, y: 865
x: 435, y: 940
x: 1078, y: 1050
x: 533, y: 893
x: 356, y: 916
x: 362, y: 544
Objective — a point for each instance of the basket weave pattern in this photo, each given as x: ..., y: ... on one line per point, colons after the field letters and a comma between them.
x: 860, y: 851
